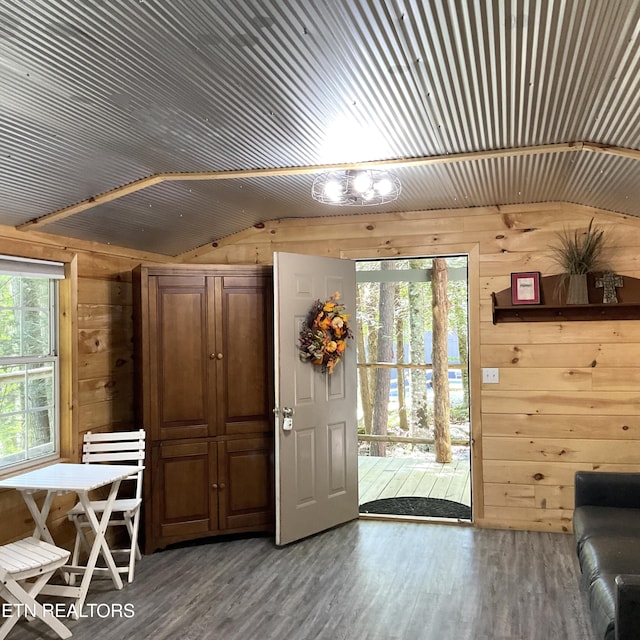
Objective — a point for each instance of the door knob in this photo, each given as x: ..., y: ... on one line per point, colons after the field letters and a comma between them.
x: 219, y: 356
x: 287, y: 422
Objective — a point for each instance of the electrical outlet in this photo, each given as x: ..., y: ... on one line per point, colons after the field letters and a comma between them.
x: 490, y: 375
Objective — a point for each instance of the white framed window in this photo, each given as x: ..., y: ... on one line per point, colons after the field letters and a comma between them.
x: 29, y: 371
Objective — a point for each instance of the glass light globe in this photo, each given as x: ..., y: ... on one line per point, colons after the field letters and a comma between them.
x: 384, y: 186
x: 333, y: 190
x: 362, y: 182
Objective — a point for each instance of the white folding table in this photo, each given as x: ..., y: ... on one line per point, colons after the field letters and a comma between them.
x: 61, y: 478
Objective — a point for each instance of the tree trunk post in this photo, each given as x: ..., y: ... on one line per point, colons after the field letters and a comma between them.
x: 363, y: 374
x: 440, y: 360
x: 419, y: 407
x: 402, y: 401
x: 386, y: 332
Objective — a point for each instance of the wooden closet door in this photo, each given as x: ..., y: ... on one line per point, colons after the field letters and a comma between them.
x: 185, y: 496
x: 245, y: 340
x: 245, y: 480
x: 182, y: 364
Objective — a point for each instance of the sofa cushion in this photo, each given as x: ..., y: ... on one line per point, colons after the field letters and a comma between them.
x: 613, y: 555
x: 589, y: 521
x: 607, y: 489
x: 602, y: 606
x: 627, y: 606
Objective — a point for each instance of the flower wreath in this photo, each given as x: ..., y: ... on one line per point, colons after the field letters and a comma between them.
x: 323, y: 338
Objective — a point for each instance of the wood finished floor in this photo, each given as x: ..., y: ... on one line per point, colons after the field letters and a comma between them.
x: 391, y: 477
x: 366, y: 580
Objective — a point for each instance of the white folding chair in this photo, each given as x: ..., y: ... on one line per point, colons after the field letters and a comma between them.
x: 121, y: 447
x: 25, y: 567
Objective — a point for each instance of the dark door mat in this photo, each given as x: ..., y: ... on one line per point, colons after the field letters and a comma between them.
x: 417, y: 506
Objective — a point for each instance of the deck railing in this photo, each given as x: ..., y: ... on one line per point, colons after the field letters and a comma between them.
x: 365, y: 437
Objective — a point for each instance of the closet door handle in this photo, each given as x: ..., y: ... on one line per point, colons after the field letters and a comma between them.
x: 215, y: 356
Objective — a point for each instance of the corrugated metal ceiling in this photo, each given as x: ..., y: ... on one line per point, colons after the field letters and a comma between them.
x: 99, y: 93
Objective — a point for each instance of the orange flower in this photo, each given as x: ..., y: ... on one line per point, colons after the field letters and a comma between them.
x: 329, y: 306
x: 332, y: 345
x: 341, y: 345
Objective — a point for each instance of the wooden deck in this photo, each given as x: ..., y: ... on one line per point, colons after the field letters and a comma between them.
x: 391, y: 477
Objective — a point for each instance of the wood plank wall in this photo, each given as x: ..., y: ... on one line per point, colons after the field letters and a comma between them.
x: 568, y: 392
x: 100, y: 367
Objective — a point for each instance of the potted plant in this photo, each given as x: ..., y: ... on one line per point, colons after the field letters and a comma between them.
x: 578, y: 254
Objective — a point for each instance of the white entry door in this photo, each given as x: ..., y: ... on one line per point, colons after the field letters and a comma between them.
x: 317, y: 459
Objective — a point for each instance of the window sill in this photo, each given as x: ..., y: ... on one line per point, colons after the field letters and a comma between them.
x: 30, y: 466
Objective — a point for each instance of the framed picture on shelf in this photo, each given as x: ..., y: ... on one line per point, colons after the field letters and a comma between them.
x: 525, y: 288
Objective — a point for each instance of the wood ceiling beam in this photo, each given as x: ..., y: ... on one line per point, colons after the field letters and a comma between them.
x: 93, y: 201
x: 143, y: 183
x: 612, y: 150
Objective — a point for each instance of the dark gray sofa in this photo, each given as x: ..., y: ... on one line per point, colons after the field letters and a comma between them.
x: 606, y: 526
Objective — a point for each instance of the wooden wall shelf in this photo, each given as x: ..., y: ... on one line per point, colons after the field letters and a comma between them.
x: 554, y: 308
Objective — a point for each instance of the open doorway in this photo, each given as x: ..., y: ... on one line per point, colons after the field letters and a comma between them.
x: 413, y: 381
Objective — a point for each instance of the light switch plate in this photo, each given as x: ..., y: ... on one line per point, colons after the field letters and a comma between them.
x: 490, y: 375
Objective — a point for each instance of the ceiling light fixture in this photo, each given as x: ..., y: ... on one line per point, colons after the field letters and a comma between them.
x: 356, y: 187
